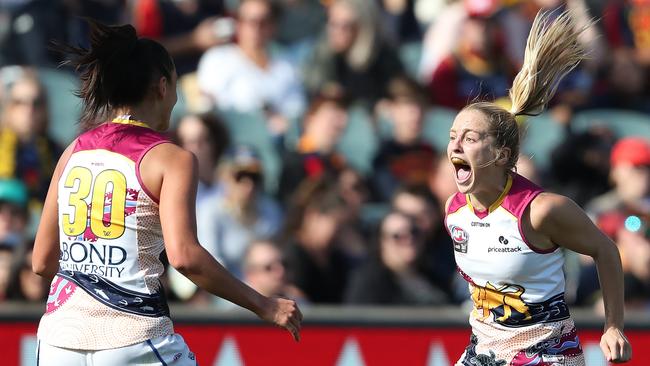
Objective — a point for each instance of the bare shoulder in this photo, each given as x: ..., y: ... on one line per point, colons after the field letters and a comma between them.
x: 549, y: 209
x: 164, y: 162
x: 168, y: 151
x: 169, y: 155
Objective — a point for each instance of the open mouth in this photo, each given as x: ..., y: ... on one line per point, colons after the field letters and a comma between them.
x: 463, y: 170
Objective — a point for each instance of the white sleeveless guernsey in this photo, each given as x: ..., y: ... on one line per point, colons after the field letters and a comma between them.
x: 519, y: 316
x: 107, y: 293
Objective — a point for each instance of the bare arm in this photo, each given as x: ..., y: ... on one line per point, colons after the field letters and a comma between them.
x: 178, y: 220
x: 45, y: 258
x: 565, y: 224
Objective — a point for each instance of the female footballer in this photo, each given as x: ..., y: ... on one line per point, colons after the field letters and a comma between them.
x: 510, y: 236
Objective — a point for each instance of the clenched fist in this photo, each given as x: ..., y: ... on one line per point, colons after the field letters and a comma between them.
x: 283, y: 313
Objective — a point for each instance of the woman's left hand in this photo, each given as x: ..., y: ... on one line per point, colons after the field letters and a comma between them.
x: 615, y: 346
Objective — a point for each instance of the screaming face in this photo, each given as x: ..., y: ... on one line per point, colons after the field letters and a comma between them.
x: 470, y: 149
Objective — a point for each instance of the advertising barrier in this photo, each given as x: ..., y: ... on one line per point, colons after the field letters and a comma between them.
x: 238, y: 341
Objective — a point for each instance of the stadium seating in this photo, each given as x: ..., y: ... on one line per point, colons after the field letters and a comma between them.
x: 359, y: 142
x: 436, y: 127
x: 621, y: 122
x: 541, y: 134
x: 410, y: 55
x: 250, y: 129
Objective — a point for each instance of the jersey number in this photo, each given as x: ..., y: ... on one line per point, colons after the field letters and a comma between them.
x: 76, y: 225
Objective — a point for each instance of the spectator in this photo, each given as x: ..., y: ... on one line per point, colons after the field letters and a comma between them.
x: 26, y: 151
x: 634, y: 243
x: 477, y: 68
x: 13, y: 224
x: 315, y: 155
x: 207, y: 138
x: 632, y: 236
x: 13, y: 212
x: 353, y: 56
x: 265, y: 271
x: 437, y: 255
x: 579, y: 164
x: 354, y: 231
x: 6, y: 258
x: 405, y: 158
x: 630, y: 174
x: 392, y: 277
x: 24, y: 284
x: 316, y: 264
x: 247, y: 76
x: 624, y: 214
x: 230, y: 218
x: 441, y: 181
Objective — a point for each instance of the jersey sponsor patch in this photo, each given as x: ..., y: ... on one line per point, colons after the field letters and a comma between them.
x: 460, y: 238
x: 504, y: 248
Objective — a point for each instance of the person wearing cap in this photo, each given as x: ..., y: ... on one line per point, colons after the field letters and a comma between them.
x: 624, y: 215
x: 613, y: 212
x: 630, y: 175
x: 238, y: 212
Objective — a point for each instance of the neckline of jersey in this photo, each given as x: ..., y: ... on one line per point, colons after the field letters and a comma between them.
x: 496, y: 203
x: 126, y: 120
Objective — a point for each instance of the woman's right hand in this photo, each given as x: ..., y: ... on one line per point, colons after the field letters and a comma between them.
x: 283, y: 313
x: 615, y: 346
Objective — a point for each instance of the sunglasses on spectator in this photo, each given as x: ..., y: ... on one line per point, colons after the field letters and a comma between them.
x: 12, y: 209
x: 35, y: 102
x: 257, y: 21
x: 253, y: 177
x: 269, y: 267
x: 402, y: 234
x: 342, y: 25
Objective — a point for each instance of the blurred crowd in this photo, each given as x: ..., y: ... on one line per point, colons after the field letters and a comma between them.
x: 318, y: 131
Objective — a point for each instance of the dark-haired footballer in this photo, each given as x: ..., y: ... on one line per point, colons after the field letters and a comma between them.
x: 120, y: 195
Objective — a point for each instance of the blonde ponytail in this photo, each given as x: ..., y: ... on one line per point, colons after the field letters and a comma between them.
x: 552, y: 51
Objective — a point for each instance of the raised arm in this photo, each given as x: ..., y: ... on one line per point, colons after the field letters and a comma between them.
x: 177, y: 186
x: 565, y: 224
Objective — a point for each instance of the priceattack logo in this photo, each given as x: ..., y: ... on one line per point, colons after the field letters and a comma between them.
x: 504, y: 248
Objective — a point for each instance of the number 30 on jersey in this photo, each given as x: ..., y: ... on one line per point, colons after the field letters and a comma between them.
x: 98, y: 187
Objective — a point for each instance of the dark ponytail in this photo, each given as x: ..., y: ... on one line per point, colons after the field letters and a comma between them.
x: 117, y: 70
